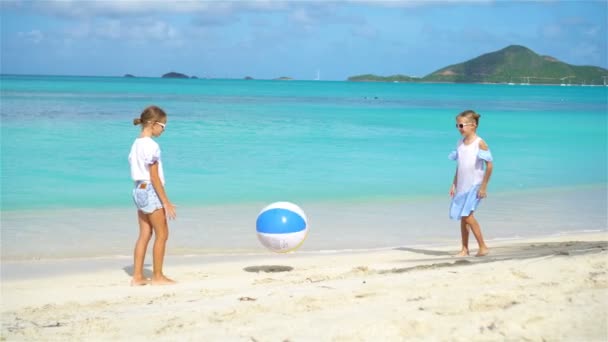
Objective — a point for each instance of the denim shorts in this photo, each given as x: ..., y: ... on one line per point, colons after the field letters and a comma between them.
x: 145, y: 197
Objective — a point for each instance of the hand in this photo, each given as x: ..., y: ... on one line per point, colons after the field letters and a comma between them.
x: 170, y: 210
x: 481, y: 193
x: 452, y: 190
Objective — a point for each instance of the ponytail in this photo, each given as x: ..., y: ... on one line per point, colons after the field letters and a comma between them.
x: 151, y: 113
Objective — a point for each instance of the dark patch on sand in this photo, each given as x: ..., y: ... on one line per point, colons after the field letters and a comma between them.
x: 426, y: 267
x: 423, y: 251
x: 268, y: 268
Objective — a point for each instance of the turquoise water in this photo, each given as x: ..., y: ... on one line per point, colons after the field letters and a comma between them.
x: 228, y: 143
x: 65, y: 139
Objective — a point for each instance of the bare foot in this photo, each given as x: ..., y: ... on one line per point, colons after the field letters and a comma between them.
x: 162, y: 280
x: 139, y: 281
x: 482, y: 252
x: 463, y: 253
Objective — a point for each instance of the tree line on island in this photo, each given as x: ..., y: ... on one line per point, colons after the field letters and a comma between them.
x: 171, y: 74
x: 174, y: 74
x: 514, y: 64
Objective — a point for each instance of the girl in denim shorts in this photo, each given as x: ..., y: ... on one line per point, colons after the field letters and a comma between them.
x: 153, y: 205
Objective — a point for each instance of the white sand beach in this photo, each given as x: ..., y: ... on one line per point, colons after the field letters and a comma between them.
x: 537, y: 289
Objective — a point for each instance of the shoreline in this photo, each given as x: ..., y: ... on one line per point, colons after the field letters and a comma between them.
x: 230, y: 229
x: 260, y: 251
x: 552, y: 288
x: 29, y: 269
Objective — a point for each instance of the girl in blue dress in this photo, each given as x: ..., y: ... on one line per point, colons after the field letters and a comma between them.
x: 471, y: 179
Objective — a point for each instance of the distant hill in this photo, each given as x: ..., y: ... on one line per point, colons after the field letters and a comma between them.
x: 516, y: 64
x: 173, y: 74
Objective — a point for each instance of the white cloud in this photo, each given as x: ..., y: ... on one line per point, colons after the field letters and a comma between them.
x: 33, y: 36
x: 551, y: 31
x: 11, y: 4
x: 158, y: 30
x: 419, y: 3
x: 141, y: 31
x: 109, y: 29
x: 80, y: 31
x: 301, y: 17
x: 592, y: 31
x: 585, y: 52
x: 114, y: 8
x: 117, y: 8
x: 365, y: 31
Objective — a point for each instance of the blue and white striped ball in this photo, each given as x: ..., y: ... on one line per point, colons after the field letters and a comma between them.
x: 282, y: 227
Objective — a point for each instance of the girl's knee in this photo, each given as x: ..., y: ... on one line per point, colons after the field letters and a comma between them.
x: 469, y: 219
x: 145, y: 236
x: 162, y: 235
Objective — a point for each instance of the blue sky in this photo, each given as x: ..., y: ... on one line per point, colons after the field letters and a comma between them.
x: 267, y: 39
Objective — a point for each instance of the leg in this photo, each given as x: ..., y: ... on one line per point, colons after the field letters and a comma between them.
x: 472, y: 222
x: 464, y: 233
x: 161, y: 230
x: 139, y: 254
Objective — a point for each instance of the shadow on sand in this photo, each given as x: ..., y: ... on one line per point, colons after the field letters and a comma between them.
x: 511, y: 252
x: 147, y: 271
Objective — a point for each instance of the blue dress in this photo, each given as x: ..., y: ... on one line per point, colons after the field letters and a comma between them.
x: 470, y: 159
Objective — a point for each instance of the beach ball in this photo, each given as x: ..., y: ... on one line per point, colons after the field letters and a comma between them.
x: 282, y: 227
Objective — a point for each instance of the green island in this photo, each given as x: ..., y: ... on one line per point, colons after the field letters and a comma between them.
x: 514, y: 64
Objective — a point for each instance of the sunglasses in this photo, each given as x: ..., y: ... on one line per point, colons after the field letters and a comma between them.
x: 462, y: 125
x: 161, y: 125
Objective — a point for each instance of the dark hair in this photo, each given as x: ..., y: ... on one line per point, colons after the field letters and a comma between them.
x: 470, y: 115
x: 150, y: 114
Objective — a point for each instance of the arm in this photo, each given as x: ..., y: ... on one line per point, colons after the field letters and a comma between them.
x: 454, y: 183
x: 160, y: 191
x: 486, y: 177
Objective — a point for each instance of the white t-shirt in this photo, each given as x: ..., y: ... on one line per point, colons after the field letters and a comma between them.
x: 470, y: 164
x: 145, y: 152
